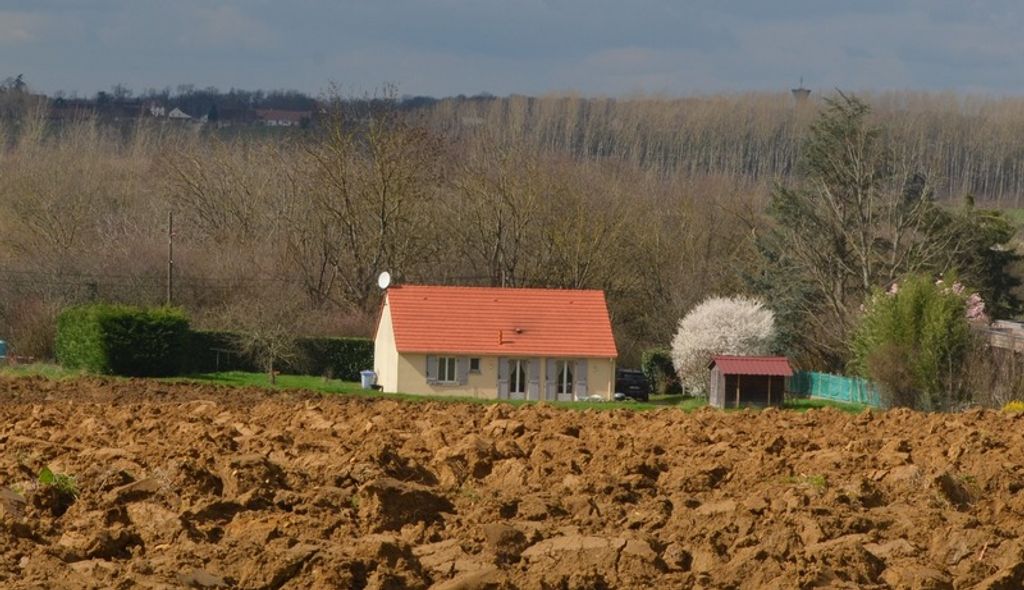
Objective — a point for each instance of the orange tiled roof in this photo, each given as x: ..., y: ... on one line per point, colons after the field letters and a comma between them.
x: 500, y: 321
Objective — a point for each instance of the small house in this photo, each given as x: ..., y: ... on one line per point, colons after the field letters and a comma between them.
x: 179, y: 115
x: 739, y: 381
x: 496, y: 343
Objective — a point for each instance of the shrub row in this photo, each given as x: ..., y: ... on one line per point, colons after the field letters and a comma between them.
x: 340, y: 358
x: 153, y: 342
x: 122, y: 340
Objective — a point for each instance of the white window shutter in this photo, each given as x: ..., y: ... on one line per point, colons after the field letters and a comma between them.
x: 581, y: 378
x: 533, y: 379
x: 550, y: 376
x: 502, y: 378
x: 462, y: 370
x: 431, y: 369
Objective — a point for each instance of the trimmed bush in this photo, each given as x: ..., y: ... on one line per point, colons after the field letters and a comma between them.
x: 122, y: 340
x: 341, y: 358
x: 656, y: 363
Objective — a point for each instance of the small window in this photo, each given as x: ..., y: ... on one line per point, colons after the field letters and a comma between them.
x: 446, y: 369
x: 474, y: 365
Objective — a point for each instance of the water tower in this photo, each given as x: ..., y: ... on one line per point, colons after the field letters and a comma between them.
x: 801, y: 94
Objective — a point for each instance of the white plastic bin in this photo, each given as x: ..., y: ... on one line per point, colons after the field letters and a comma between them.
x: 368, y: 378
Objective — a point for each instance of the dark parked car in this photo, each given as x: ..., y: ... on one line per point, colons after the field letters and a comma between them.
x: 631, y: 383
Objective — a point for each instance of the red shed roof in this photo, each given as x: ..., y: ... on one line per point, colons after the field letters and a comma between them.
x: 500, y: 321
x: 753, y: 365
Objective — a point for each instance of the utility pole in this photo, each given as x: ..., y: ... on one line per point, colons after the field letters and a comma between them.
x: 170, y: 257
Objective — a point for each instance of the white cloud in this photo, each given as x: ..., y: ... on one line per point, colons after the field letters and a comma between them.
x: 226, y: 26
x: 18, y: 27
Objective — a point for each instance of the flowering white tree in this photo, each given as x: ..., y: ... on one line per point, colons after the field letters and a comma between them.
x: 720, y: 325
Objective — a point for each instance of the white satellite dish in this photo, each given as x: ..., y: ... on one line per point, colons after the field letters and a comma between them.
x: 384, y: 280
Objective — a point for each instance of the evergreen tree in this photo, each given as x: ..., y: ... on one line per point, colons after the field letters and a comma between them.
x: 859, y: 217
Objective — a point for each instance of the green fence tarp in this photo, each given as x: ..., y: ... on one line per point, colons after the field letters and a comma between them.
x: 838, y: 388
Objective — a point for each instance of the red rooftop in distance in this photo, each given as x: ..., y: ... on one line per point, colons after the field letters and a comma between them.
x: 501, y: 321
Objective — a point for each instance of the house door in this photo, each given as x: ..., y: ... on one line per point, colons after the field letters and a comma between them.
x: 517, y: 378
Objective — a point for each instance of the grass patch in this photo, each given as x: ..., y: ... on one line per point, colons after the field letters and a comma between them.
x: 804, y: 404
x: 682, y: 402
x: 64, y: 484
x: 51, y: 371
x: 260, y: 380
x: 819, y: 482
x: 319, y: 384
x: 1014, y: 216
x: 338, y: 387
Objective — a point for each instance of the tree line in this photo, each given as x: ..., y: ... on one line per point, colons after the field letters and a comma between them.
x: 965, y: 143
x: 299, y: 225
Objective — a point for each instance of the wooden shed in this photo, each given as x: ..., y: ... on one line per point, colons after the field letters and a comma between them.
x: 738, y: 381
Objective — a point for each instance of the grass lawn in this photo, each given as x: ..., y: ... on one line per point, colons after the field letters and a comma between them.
x: 338, y: 387
x: 243, y: 379
x: 802, y: 405
x: 311, y: 383
x: 51, y: 371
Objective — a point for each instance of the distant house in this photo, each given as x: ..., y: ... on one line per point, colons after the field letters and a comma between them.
x: 527, y: 344
x: 279, y: 118
x: 179, y: 115
x: 738, y: 381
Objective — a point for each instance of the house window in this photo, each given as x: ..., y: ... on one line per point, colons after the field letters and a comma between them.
x: 563, y: 369
x: 517, y: 376
x: 446, y: 369
x: 474, y: 365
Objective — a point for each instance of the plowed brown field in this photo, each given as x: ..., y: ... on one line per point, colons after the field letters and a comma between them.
x: 194, y: 486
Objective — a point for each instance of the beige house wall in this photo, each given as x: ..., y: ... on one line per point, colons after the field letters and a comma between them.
x: 412, y: 378
x: 385, y: 352
x: 601, y: 377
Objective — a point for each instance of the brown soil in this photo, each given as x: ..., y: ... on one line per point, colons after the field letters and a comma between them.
x: 203, y: 487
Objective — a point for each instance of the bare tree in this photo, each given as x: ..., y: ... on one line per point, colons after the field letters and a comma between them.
x: 265, y: 332
x: 374, y: 179
x: 861, y: 216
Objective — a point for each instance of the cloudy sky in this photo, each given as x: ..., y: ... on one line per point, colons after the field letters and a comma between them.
x: 447, y: 47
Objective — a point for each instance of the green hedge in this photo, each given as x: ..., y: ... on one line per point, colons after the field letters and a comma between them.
x: 122, y: 340
x: 656, y: 363
x: 342, y: 358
